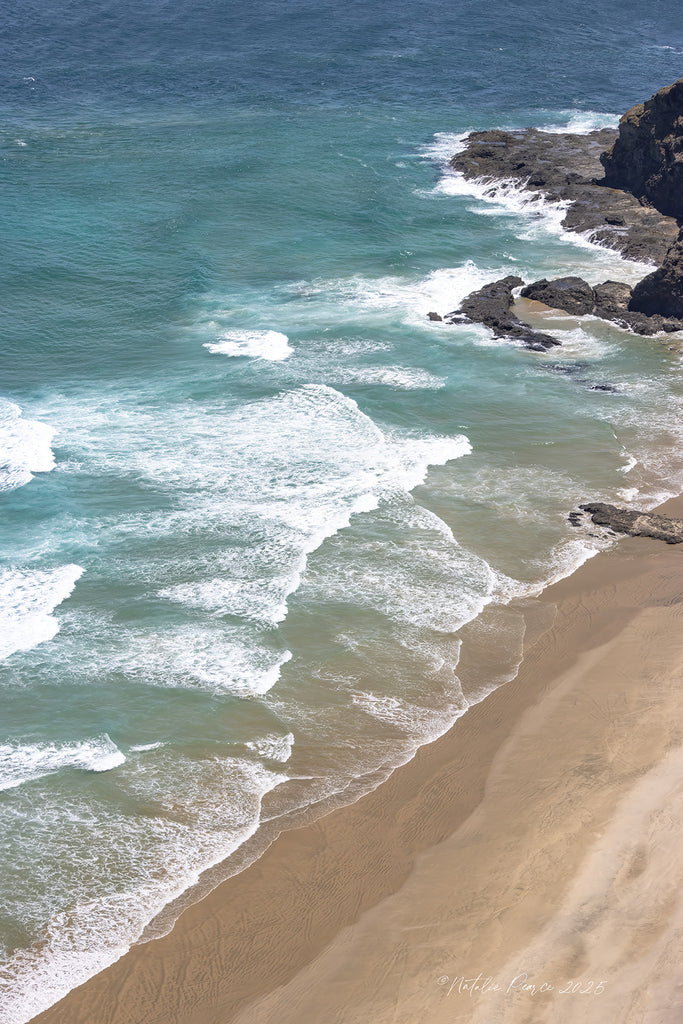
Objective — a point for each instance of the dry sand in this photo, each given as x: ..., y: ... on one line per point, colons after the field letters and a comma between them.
x: 536, y: 847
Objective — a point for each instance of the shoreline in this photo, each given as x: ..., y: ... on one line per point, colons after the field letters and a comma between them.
x: 332, y: 891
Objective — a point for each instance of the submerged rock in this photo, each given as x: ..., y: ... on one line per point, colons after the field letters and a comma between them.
x: 647, y: 156
x: 577, y: 371
x: 490, y: 306
x: 636, y: 524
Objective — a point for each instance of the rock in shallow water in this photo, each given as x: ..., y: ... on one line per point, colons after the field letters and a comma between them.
x: 636, y: 524
x: 615, y: 301
x: 572, y: 294
x: 490, y: 306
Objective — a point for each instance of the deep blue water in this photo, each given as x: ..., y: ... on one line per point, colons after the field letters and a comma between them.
x: 252, y: 501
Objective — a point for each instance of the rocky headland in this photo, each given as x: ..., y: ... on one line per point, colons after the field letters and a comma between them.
x: 567, y: 168
x: 624, y: 189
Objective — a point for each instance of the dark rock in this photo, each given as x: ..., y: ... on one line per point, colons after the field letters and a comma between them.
x: 576, y: 371
x: 631, y: 209
x: 636, y: 524
x: 572, y: 294
x: 647, y: 156
x: 611, y: 299
x: 490, y: 306
x: 567, y: 167
x: 575, y: 518
x: 661, y: 293
x: 434, y: 316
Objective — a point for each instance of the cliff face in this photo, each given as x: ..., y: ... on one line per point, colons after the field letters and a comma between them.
x: 662, y: 291
x: 647, y: 157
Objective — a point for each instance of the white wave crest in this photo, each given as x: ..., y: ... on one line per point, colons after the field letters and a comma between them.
x: 404, y: 377
x: 212, y: 658
x: 580, y: 122
x: 409, y: 298
x: 270, y: 345
x: 27, y: 599
x: 300, y: 466
x: 24, y: 762
x: 25, y: 447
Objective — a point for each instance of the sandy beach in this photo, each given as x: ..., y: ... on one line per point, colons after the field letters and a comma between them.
x: 523, y: 868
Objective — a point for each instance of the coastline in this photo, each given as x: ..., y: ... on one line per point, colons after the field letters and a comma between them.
x: 481, y: 854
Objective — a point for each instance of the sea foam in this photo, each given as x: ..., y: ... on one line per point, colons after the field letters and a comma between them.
x: 214, y: 811
x: 301, y: 465
x: 23, y: 762
x: 28, y: 598
x: 270, y: 345
x: 25, y: 447
x: 581, y: 122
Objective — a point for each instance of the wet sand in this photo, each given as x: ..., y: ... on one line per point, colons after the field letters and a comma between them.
x: 524, y: 868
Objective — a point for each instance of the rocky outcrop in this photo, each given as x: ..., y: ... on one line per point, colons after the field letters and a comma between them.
x: 613, y: 300
x: 631, y: 209
x: 571, y: 294
x: 662, y: 291
x: 636, y: 524
x: 565, y: 167
x: 647, y: 156
x: 491, y: 306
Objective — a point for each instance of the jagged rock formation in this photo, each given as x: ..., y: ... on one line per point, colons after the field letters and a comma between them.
x: 647, y: 156
x: 631, y: 209
x: 491, y: 306
x: 636, y: 524
x: 567, y: 167
x: 662, y: 291
x: 571, y: 294
x: 612, y: 300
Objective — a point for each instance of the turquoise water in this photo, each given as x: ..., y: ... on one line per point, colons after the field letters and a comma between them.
x: 253, y: 501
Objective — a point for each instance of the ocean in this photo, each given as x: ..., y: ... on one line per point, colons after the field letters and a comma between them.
x: 256, y: 507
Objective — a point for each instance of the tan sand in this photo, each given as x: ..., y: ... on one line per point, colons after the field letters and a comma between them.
x: 537, y: 844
